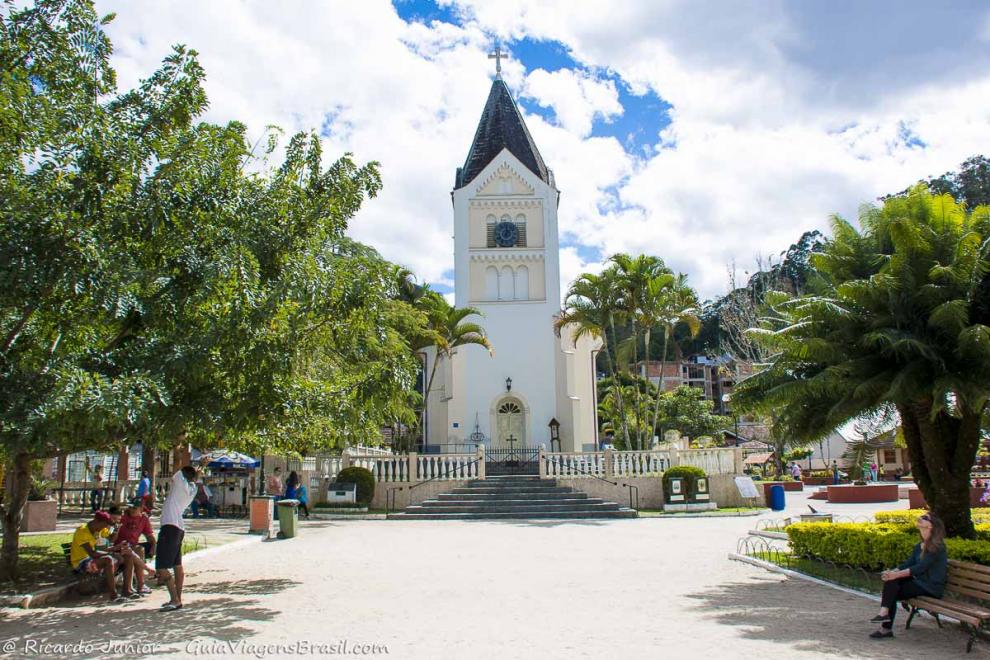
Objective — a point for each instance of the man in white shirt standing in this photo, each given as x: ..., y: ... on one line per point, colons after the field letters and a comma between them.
x: 168, y: 555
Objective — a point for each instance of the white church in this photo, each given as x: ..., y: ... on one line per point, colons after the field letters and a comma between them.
x: 506, y: 259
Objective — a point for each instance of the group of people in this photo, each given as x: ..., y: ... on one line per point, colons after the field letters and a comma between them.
x: 294, y: 489
x: 111, y: 543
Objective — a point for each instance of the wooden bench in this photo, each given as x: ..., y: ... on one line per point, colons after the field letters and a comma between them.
x: 967, y: 594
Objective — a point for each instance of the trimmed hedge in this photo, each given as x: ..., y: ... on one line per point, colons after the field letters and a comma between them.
x: 364, y: 480
x: 689, y: 473
x: 875, y: 546
x: 910, y: 516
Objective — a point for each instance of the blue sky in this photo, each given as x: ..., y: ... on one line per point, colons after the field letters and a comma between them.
x: 707, y: 132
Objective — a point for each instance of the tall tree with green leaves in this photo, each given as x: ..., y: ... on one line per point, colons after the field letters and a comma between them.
x: 904, y: 326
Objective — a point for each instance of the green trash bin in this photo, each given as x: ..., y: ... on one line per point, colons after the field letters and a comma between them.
x: 288, y: 518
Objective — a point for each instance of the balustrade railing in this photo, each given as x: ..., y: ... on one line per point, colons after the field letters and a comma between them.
x: 612, y: 463
x: 447, y: 466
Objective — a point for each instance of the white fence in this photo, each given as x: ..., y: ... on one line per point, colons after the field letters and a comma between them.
x: 611, y: 463
x: 404, y: 468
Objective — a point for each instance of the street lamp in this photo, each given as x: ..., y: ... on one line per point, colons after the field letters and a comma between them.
x: 725, y: 399
x: 554, y: 433
x: 508, y: 384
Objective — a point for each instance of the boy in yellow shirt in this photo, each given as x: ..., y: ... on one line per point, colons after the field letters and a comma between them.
x: 85, y: 558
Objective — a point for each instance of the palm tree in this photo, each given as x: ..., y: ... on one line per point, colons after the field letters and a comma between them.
x: 591, y: 306
x: 633, y: 278
x: 670, y: 303
x: 448, y: 330
x: 905, y: 325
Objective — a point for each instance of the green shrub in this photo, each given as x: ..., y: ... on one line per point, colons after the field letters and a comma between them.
x: 689, y: 473
x: 876, y: 546
x: 980, y: 515
x: 364, y: 480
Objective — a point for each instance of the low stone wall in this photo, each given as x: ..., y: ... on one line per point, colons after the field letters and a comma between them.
x: 650, y: 489
x: 723, y: 491
x: 405, y: 497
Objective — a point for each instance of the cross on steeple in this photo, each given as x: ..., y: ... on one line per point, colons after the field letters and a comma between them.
x: 497, y: 55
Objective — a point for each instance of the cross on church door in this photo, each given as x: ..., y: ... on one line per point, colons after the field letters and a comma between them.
x: 510, y: 422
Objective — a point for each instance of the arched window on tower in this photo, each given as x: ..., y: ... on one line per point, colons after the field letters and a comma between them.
x: 522, y: 283
x: 491, y: 283
x: 506, y: 284
x: 521, y: 227
x: 490, y: 223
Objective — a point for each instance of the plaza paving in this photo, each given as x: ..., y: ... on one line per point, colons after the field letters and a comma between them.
x: 648, y: 588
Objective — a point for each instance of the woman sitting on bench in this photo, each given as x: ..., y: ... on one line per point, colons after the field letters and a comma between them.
x: 923, y: 574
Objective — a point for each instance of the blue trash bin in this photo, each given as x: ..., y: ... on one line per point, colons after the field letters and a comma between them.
x: 777, y: 497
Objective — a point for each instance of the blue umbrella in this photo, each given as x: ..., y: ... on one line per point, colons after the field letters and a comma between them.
x: 228, y: 460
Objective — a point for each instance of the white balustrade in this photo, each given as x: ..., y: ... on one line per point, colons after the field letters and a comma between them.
x: 447, y: 467
x: 575, y: 464
x: 720, y: 460
x: 639, y: 463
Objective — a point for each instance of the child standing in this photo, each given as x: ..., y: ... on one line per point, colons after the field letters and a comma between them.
x: 303, y: 496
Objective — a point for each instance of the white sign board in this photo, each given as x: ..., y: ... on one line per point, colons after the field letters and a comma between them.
x: 746, y: 487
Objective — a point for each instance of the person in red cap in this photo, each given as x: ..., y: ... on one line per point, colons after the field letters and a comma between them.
x: 85, y: 558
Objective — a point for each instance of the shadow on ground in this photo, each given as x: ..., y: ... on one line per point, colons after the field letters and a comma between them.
x: 222, y: 618
x: 820, y: 620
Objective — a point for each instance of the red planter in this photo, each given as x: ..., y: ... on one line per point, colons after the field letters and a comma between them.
x: 917, y: 501
x: 788, y: 485
x: 859, y: 494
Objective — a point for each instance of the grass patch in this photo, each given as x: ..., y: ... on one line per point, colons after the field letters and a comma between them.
x: 851, y: 578
x: 727, y: 511
x: 41, y: 561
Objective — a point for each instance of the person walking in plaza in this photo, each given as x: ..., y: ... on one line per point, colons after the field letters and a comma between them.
x: 796, y: 471
x: 168, y: 555
x: 273, y: 485
x: 835, y: 473
x: 873, y: 471
x: 291, y: 484
x: 303, y: 496
x: 96, y: 495
x: 143, y: 495
x: 923, y: 574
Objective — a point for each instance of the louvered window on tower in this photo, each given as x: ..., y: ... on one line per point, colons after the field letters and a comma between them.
x: 521, y: 229
x: 490, y: 235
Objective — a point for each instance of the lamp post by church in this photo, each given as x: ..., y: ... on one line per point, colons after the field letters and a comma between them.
x: 554, y: 433
x: 508, y: 384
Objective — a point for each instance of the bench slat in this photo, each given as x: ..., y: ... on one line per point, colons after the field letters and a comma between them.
x: 969, y: 566
x: 975, y: 576
x: 972, y: 593
x: 959, y: 605
x: 957, y: 581
x: 935, y: 606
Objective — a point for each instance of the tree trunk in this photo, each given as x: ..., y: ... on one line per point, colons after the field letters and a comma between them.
x: 148, y: 462
x: 663, y: 365
x: 16, y: 494
x: 618, y: 385
x: 943, y: 450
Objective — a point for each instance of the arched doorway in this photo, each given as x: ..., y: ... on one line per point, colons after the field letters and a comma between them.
x: 510, y: 422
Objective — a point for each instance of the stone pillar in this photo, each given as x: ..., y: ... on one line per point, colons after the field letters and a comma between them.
x: 541, y: 458
x: 737, y: 460
x: 412, y: 467
x: 675, y: 458
x: 345, y: 459
x: 481, y: 461
x: 609, y: 462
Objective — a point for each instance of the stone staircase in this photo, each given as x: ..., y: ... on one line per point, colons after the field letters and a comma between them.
x: 512, y: 497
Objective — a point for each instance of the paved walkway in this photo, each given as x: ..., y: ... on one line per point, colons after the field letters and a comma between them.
x: 648, y: 588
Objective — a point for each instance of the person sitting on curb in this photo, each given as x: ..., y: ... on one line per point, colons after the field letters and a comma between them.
x: 133, y: 525
x: 923, y: 574
x: 86, y: 559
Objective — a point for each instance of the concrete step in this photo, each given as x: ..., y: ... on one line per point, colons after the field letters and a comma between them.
x: 481, y: 497
x: 512, y: 505
x: 519, y: 515
x: 502, y: 482
x: 534, y: 490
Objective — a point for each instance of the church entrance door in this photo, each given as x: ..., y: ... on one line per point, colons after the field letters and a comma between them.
x: 510, y: 453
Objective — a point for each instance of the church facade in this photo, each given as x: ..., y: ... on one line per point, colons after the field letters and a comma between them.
x: 506, y: 257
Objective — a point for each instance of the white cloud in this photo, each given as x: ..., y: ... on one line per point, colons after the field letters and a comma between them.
x: 576, y: 97
x: 782, y: 112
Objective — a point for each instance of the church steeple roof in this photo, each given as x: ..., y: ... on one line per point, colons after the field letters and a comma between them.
x: 501, y: 127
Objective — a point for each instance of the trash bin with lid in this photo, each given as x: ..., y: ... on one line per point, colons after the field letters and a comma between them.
x: 777, y: 497
x: 288, y: 518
